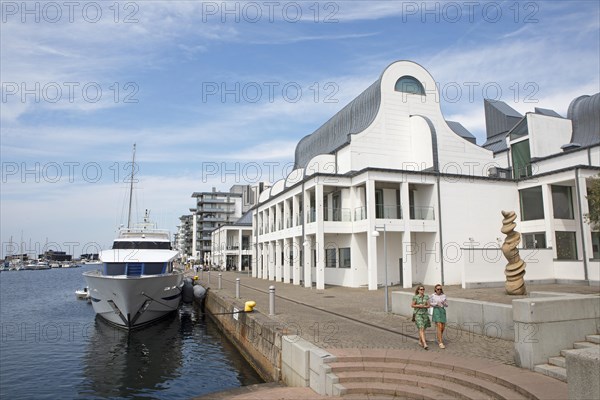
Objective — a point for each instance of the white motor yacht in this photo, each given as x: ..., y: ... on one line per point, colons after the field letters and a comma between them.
x: 137, y: 283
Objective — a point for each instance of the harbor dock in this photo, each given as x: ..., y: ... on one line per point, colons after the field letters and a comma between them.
x: 350, y: 330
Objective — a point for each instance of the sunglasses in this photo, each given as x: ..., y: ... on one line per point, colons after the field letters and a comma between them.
x: 438, y: 289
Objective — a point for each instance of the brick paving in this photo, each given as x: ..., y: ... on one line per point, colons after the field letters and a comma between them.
x: 347, y: 318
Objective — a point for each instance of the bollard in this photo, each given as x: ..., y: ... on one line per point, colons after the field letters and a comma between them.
x: 220, y: 281
x: 209, y: 276
x: 271, y: 300
x: 237, y: 288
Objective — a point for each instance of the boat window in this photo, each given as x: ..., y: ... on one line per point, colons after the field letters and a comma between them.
x: 154, y: 268
x: 114, y: 269
x: 141, y: 245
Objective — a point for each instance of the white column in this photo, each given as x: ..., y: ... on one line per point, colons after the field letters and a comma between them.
x: 265, y: 261
x: 296, y: 246
x: 371, y: 240
x: 287, y: 247
x: 582, y: 209
x: 320, y: 237
x: 271, y: 260
x: 307, y: 262
x: 408, y: 248
x: 548, y: 216
x: 278, y: 261
x: 239, y: 250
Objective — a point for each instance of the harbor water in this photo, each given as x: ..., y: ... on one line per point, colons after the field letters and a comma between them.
x: 53, y: 346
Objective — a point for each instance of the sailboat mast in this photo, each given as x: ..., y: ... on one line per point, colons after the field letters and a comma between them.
x: 131, y: 189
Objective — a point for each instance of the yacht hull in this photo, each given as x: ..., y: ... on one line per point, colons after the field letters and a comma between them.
x: 132, y: 302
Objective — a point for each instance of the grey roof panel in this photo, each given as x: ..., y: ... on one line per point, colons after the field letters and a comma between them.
x: 245, y: 219
x: 496, y: 143
x: 499, y: 117
x: 461, y: 131
x: 353, y: 118
x: 584, y: 112
x: 547, y: 112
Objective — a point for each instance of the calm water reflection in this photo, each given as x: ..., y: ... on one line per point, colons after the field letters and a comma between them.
x: 53, y: 345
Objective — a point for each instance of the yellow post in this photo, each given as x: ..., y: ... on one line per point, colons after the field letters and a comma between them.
x: 249, y: 306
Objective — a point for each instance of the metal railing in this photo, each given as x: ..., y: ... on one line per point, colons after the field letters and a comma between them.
x: 360, y: 213
x: 422, y: 212
x: 391, y: 212
x: 337, y: 214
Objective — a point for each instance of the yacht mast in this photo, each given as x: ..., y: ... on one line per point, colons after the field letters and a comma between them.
x: 131, y: 189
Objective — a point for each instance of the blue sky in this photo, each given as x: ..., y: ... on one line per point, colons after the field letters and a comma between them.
x: 219, y: 93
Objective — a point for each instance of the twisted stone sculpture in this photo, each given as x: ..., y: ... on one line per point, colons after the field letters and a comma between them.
x: 515, y: 269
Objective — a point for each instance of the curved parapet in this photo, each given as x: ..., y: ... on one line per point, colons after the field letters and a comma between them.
x: 294, y: 177
x: 323, y: 163
x: 264, y: 195
x: 277, y: 187
x: 515, y: 269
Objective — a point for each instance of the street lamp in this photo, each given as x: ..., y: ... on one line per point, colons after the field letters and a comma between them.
x: 376, y: 234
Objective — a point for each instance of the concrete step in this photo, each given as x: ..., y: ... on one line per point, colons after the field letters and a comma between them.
x: 350, y: 374
x: 582, y: 345
x: 439, y: 380
x: 593, y: 338
x: 399, y: 391
x: 552, y: 371
x: 559, y: 361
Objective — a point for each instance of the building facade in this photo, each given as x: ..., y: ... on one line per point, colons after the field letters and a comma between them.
x: 214, y: 209
x: 232, y: 245
x: 388, y: 192
x: 184, y: 236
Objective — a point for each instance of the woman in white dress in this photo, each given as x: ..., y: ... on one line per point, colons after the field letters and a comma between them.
x: 439, y: 303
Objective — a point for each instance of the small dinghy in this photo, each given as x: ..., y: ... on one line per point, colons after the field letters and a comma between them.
x: 82, y: 294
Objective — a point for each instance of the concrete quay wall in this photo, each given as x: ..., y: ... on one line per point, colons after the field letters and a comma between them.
x: 254, y: 335
x: 267, y: 346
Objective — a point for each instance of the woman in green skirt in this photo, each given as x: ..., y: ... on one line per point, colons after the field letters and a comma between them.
x: 420, y: 304
x: 439, y: 303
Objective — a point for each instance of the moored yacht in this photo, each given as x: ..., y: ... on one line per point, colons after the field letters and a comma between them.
x: 137, y: 283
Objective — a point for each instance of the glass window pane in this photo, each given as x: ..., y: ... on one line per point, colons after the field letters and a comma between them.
x: 566, y: 246
x: 330, y: 258
x: 596, y: 245
x: 521, y: 158
x: 562, y: 202
x: 345, y: 258
x: 409, y: 84
x: 532, y: 204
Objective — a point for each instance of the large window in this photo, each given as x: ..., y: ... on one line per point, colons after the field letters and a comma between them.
x: 534, y: 240
x: 345, y: 257
x: 532, y: 203
x: 562, y: 202
x: 566, y: 246
x: 521, y: 159
x: 330, y: 258
x: 596, y: 245
x: 409, y: 84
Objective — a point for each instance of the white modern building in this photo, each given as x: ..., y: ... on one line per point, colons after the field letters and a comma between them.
x: 184, y: 236
x: 389, y: 192
x: 232, y: 245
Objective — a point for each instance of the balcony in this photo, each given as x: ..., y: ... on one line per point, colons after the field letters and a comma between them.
x: 422, y: 213
x: 360, y: 213
x: 388, y: 212
x: 312, y: 216
x: 337, y: 215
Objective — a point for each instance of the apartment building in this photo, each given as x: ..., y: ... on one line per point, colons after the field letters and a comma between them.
x: 388, y: 192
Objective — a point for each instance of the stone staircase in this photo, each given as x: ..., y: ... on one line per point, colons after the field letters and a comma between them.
x: 557, y: 366
x: 423, y: 376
